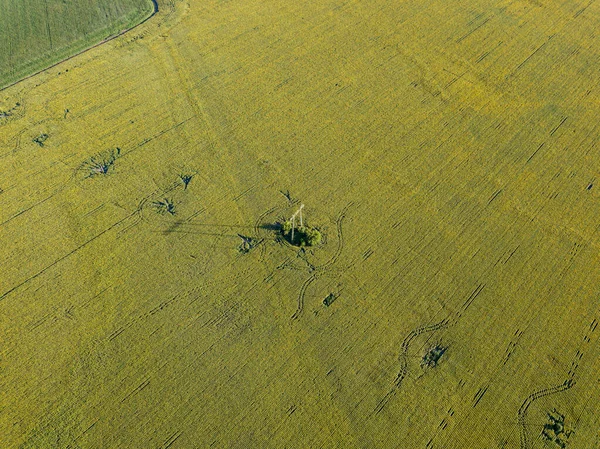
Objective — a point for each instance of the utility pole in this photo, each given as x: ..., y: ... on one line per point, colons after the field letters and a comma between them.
x: 299, y: 211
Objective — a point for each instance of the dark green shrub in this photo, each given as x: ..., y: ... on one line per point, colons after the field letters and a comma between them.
x: 303, y: 235
x: 101, y: 163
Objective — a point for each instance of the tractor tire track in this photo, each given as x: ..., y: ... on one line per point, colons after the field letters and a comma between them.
x: 320, y: 270
x: 301, y: 295
x: 522, y: 414
x: 412, y: 335
x: 403, y: 359
x: 340, y: 235
x: 567, y: 384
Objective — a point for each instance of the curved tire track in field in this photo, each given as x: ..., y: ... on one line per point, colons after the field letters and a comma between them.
x: 305, y: 285
x: 260, y: 219
x: 260, y: 233
x: 340, y: 244
x: 534, y: 397
x: 140, y: 212
x: 319, y: 270
x: 403, y: 358
x: 412, y: 335
x: 568, y: 383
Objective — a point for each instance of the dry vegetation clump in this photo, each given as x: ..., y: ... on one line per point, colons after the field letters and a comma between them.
x: 248, y: 244
x: 39, y: 140
x: 101, y: 163
x: 185, y: 179
x: 164, y: 206
x: 9, y: 112
x: 555, y: 430
x: 329, y: 299
x: 433, y: 356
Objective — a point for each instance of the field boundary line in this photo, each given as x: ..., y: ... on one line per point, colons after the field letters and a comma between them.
x: 104, y: 41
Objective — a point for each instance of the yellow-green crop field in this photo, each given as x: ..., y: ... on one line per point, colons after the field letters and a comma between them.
x: 449, y: 153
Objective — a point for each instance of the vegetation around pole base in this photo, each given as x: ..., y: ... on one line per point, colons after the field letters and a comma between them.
x: 303, y: 235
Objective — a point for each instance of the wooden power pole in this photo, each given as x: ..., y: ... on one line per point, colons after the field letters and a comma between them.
x: 299, y: 211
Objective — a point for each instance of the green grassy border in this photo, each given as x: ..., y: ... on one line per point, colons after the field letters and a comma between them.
x: 98, y: 37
